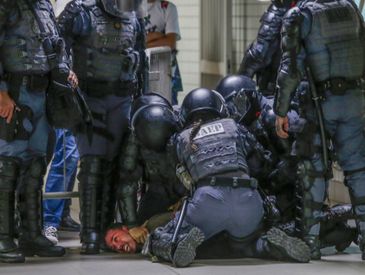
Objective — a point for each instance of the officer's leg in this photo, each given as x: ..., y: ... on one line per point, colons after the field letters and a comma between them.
x: 334, y: 228
x: 33, y: 167
x: 199, y: 224
x: 129, y: 175
x: 31, y: 240
x: 117, y: 122
x: 276, y: 244
x: 183, y: 254
x: 311, y: 190
x: 9, y: 171
x: 355, y: 182
x: 350, y: 145
x: 91, y: 177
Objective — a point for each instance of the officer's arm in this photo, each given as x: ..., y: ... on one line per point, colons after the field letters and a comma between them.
x: 260, y: 52
x: 140, y: 47
x: 74, y: 21
x: 4, y: 12
x: 291, y: 66
x: 253, y: 147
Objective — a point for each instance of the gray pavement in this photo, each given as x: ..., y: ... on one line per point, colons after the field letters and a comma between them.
x: 348, y: 263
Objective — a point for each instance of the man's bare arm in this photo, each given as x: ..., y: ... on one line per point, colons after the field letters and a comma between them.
x: 157, y: 39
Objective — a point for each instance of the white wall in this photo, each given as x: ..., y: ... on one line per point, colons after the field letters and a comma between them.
x: 189, y: 45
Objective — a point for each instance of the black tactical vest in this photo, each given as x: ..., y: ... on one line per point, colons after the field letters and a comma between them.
x: 334, y: 45
x: 218, y: 149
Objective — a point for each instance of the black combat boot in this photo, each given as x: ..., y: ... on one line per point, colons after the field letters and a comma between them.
x: 184, y: 252
x: 91, y: 178
x: 281, y: 246
x: 31, y: 241
x: 334, y: 228
x: 9, y: 171
x: 358, y: 204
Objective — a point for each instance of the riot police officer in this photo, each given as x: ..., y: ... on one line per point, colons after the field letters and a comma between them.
x: 148, y: 158
x: 212, y: 151
x: 107, y: 42
x: 262, y: 58
x: 25, y: 68
x: 255, y: 111
x: 324, y: 40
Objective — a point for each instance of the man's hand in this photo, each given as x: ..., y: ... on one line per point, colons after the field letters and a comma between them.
x: 158, y: 39
x: 72, y: 78
x: 7, y: 106
x: 151, y: 36
x: 139, y: 234
x: 282, y: 126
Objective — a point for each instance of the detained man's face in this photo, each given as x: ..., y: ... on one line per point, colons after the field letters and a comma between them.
x: 119, y: 240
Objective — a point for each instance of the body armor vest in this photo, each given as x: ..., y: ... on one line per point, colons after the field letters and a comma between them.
x: 218, y: 149
x: 22, y: 50
x: 334, y: 45
x: 107, y: 53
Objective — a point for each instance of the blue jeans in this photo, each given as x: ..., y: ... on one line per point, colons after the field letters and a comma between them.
x: 66, y: 153
x: 37, y: 126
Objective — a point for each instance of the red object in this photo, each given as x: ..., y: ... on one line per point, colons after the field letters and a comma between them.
x: 164, y: 4
x: 293, y: 4
x: 258, y: 114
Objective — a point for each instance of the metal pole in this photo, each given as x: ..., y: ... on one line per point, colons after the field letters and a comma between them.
x: 60, y: 195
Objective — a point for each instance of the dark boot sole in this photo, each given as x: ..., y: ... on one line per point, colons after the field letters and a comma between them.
x: 186, y: 249
x: 12, y: 260
x: 85, y: 250
x: 42, y: 253
x: 294, y: 248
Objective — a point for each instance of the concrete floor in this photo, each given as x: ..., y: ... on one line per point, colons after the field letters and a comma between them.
x: 348, y: 263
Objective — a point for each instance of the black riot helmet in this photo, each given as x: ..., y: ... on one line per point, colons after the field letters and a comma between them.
x: 242, y: 99
x: 148, y: 99
x: 153, y: 125
x: 284, y: 3
x: 202, y: 101
x: 119, y: 8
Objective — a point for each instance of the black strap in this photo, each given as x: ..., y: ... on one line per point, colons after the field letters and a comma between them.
x: 46, y: 43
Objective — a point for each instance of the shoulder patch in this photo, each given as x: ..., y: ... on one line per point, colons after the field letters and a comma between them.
x: 209, y: 130
x: 164, y: 4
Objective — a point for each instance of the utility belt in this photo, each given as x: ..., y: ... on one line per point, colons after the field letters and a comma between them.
x: 33, y: 82
x: 234, y: 182
x: 97, y: 88
x: 338, y: 85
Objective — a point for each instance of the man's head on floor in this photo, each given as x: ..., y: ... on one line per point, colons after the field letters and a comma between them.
x: 118, y: 239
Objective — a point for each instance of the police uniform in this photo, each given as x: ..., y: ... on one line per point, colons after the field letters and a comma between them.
x: 148, y: 156
x: 262, y: 58
x: 161, y: 188
x: 328, y: 38
x: 24, y: 74
x: 107, y: 48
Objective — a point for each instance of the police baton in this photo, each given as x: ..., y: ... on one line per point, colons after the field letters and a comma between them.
x: 319, y: 112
